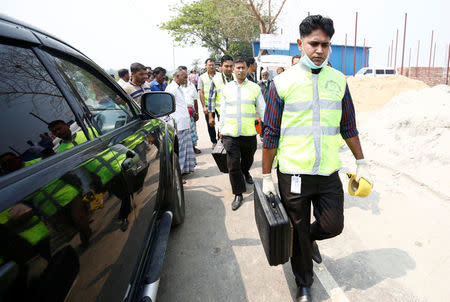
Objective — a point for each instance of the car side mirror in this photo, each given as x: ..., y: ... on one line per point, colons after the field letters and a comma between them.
x: 158, y: 103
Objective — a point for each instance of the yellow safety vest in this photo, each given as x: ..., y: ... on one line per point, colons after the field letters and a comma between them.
x: 33, y: 230
x: 206, y: 85
x: 239, y: 115
x: 78, y: 138
x: 219, y: 81
x: 310, y: 125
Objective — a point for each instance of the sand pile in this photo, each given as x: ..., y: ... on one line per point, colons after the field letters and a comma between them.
x: 412, y: 134
x: 371, y: 93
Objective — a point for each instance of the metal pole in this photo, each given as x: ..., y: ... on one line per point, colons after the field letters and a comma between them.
x: 395, y: 56
x: 403, y: 50
x: 364, y: 52
x: 431, y: 49
x: 409, y: 64
x: 417, y: 62
x: 448, y: 64
x: 354, y: 49
x: 308, y: 14
x: 434, y: 53
x: 389, y: 55
x: 342, y: 57
x: 392, y: 52
x: 345, y: 54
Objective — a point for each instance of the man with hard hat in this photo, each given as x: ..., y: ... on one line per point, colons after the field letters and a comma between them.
x: 309, y: 107
x: 240, y: 102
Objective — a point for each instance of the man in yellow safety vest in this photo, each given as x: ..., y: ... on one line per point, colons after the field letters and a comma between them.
x: 204, y: 85
x: 219, y: 81
x: 241, y: 100
x: 309, y: 108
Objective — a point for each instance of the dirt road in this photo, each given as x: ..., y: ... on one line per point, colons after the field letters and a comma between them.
x: 394, y: 246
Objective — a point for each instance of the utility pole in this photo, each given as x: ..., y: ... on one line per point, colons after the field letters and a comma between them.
x: 354, y: 50
x: 417, y: 62
x: 395, y: 56
x: 403, y: 50
x: 431, y: 50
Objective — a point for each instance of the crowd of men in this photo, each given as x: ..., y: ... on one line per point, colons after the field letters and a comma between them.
x: 307, y: 113
x: 195, y: 95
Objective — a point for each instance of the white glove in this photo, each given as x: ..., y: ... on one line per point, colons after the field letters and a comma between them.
x: 268, y: 184
x: 362, y: 170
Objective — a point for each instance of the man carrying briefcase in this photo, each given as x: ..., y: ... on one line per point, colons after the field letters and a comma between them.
x: 309, y: 107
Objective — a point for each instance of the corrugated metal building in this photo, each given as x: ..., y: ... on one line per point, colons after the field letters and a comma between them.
x: 337, y: 59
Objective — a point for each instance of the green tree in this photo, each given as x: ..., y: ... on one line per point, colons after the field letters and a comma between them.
x: 222, y: 26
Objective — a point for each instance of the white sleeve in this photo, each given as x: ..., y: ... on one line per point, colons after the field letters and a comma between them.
x: 260, y: 106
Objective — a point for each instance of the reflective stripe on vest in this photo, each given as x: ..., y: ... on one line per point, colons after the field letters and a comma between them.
x: 310, y: 126
x: 239, y: 108
x: 206, y: 85
x: 53, y: 197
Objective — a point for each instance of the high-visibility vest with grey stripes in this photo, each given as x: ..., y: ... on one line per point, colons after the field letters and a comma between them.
x: 239, y: 108
x: 310, y: 134
x: 206, y: 86
x: 219, y: 81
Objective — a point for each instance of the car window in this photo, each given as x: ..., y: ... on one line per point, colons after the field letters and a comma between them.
x: 109, y: 110
x: 368, y: 71
x: 389, y: 71
x: 379, y: 71
x: 36, y: 120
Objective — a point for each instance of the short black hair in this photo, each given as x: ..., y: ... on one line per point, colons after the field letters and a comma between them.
x: 158, y: 70
x: 135, y: 67
x: 209, y: 59
x: 240, y: 60
x: 225, y: 58
x: 56, y: 122
x: 182, y: 67
x: 314, y: 22
x: 250, y: 61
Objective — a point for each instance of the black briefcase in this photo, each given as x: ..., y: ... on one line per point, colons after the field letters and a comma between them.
x: 220, y: 156
x: 274, y: 226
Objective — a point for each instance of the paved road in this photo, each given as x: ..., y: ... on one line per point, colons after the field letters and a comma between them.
x: 387, y: 251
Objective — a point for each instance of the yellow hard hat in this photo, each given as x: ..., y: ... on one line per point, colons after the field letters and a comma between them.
x: 361, y: 188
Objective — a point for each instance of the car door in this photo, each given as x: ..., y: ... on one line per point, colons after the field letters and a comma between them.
x: 53, y: 205
x: 136, y: 147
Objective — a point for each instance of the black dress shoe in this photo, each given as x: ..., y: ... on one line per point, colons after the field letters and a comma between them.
x: 316, y: 253
x: 197, y: 151
x: 249, y: 179
x: 124, y: 225
x: 303, y: 294
x: 237, y: 202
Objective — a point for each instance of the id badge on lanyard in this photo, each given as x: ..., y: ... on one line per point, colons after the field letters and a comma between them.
x: 296, y: 184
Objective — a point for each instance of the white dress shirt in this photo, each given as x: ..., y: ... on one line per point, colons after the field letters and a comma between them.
x: 181, y: 114
x: 121, y: 82
x: 190, y: 94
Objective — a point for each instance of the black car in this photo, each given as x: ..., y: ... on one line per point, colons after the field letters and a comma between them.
x: 90, y: 184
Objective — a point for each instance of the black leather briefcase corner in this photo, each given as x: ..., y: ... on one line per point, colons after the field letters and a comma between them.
x: 274, y: 226
x: 220, y: 157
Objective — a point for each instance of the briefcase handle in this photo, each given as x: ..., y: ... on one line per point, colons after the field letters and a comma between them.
x: 272, y: 200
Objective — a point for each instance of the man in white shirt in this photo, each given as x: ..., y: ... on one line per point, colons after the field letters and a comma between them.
x: 191, y: 97
x: 124, y: 77
x: 186, y: 155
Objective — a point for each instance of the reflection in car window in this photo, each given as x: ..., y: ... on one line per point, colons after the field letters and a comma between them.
x: 29, y: 102
x: 109, y: 110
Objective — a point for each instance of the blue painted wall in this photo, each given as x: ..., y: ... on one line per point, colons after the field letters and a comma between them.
x: 336, y: 57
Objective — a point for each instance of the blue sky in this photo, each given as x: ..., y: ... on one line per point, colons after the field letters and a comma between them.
x: 116, y: 33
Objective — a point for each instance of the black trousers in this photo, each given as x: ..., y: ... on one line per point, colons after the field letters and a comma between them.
x: 327, y: 197
x: 240, y: 152
x: 211, y: 130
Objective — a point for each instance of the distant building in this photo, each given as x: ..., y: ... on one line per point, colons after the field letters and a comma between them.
x: 336, y: 57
